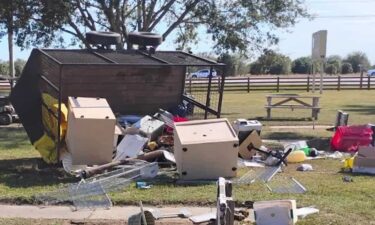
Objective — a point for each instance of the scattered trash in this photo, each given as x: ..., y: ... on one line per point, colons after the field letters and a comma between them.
x: 364, y: 162
x: 249, y: 145
x: 286, y: 186
x: 152, y: 145
x: 143, y: 218
x: 203, y: 217
x: 349, y: 138
x: 264, y: 174
x: 244, y: 127
x: 142, y: 185
x: 130, y: 146
x: 276, y: 212
x: 225, y: 202
x: 296, y: 156
x: 152, y: 127
x: 205, y: 149
x: 241, y: 214
x: 305, y: 167
x: 183, y: 213
x: 347, y: 179
x: 247, y: 163
x: 92, y: 192
x: 305, y: 211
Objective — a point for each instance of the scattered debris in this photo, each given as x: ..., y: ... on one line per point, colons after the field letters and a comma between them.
x: 364, y: 162
x: 203, y: 217
x: 183, y: 213
x: 225, y: 203
x: 305, y: 211
x: 305, y: 167
x: 276, y: 212
x: 286, y: 186
x: 92, y: 192
x: 130, y: 146
x: 347, y: 179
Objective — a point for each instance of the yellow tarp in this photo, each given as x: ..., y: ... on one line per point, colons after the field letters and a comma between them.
x: 46, y: 148
x: 49, y: 121
x: 46, y: 144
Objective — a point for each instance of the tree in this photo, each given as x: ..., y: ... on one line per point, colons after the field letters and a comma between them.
x: 333, y: 61
x: 233, y: 25
x: 14, y: 18
x: 18, y: 66
x: 356, y: 59
x: 271, y: 62
x: 331, y: 69
x: 346, y: 68
x: 301, y: 65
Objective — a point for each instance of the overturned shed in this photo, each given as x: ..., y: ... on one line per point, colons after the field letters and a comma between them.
x: 133, y: 82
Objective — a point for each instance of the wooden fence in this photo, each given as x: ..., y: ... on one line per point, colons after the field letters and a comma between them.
x: 280, y: 83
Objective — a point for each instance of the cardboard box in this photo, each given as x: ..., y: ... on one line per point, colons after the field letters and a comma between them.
x: 205, y: 149
x: 253, y: 140
x: 91, y: 131
x: 365, y: 157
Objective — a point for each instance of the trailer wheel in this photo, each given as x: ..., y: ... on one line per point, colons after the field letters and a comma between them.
x: 145, y: 38
x: 103, y: 38
x: 5, y: 119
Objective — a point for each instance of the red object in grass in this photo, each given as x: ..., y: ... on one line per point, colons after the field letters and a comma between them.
x: 349, y: 138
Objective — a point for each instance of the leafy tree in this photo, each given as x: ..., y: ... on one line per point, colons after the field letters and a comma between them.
x: 301, y: 65
x: 346, y: 68
x: 4, y: 68
x: 331, y: 69
x: 336, y: 62
x: 356, y: 59
x: 271, y: 62
x: 18, y: 66
x: 233, y: 25
x: 256, y: 68
x: 14, y: 20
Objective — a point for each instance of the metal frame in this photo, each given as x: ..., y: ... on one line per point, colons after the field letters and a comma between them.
x: 160, y: 62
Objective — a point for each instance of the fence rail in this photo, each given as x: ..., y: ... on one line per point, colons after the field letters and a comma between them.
x: 280, y: 83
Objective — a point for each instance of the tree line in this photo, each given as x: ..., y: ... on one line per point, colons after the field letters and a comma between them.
x: 271, y: 62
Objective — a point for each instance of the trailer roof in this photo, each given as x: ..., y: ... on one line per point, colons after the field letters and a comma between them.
x: 126, y: 57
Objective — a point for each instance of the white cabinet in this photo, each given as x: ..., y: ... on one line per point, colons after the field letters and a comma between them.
x: 205, y: 149
x: 91, y: 130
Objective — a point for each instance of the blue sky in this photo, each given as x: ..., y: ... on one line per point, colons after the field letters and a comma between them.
x: 350, y: 25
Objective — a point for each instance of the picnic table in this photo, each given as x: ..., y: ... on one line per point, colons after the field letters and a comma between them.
x: 293, y: 101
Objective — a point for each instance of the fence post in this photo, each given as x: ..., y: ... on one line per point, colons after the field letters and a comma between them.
x: 368, y: 82
x: 248, y: 84
x: 218, y: 83
x: 338, y: 82
x: 278, y: 84
x: 190, y: 85
x: 308, y: 83
x: 361, y: 79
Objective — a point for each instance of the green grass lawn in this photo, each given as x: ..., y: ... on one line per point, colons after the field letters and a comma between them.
x: 359, y: 104
x: 339, y: 203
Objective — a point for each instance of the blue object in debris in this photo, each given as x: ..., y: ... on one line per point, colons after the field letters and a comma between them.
x: 142, y: 185
x: 128, y: 119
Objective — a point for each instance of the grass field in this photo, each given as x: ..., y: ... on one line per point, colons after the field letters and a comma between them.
x: 340, y: 203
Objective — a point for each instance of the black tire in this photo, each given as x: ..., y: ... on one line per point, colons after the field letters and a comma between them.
x: 103, y: 38
x: 194, y: 76
x: 5, y: 119
x: 145, y: 39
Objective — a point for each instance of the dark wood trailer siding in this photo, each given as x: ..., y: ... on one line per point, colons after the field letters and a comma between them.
x: 128, y: 89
